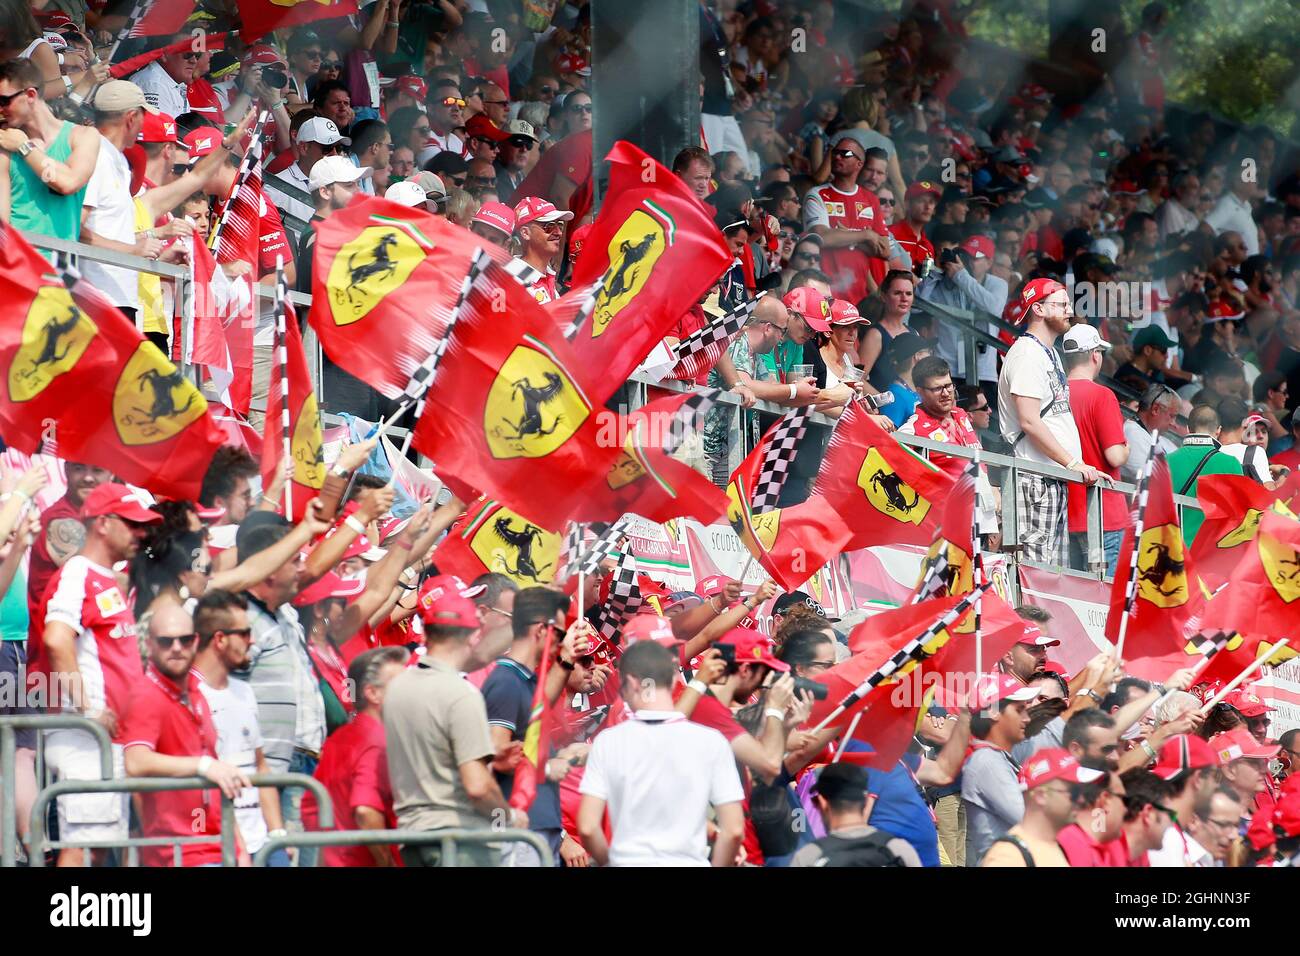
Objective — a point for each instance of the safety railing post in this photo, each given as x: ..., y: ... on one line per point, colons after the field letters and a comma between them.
x: 1096, y: 530
x: 8, y: 797
x: 448, y: 841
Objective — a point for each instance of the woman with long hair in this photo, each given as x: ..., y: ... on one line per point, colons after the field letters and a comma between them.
x: 21, y: 37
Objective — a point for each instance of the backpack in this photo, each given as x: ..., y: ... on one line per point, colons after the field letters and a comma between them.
x: 771, y: 812
x: 870, y: 850
x: 1019, y: 844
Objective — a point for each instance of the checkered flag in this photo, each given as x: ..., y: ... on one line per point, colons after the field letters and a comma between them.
x: 703, y: 347
x: 605, y: 545
x: 1207, y: 645
x: 690, y: 418
x: 524, y: 274
x: 422, y: 377
x: 932, y: 584
x: 780, y: 455
x: 587, y: 305
x: 624, y: 599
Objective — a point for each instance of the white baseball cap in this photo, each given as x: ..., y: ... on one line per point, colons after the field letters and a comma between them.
x: 407, y: 193
x: 322, y: 130
x: 335, y: 169
x: 1083, y: 338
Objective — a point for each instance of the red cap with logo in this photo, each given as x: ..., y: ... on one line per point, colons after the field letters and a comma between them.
x: 444, y: 601
x: 1036, y: 638
x: 1183, y: 753
x: 1239, y: 743
x: 922, y: 188
x: 1246, y: 702
x: 999, y: 687
x: 846, y: 313
x: 202, y: 141
x: 159, y: 128
x: 713, y: 584
x: 497, y: 215
x: 330, y: 586
x: 1055, y: 763
x: 753, y: 647
x: 650, y: 627
x: 264, y: 54
x: 812, y: 305
x: 1036, y: 290
x: 411, y: 85
x: 979, y: 247
x: 112, y: 498
x: 482, y: 127
x: 535, y: 209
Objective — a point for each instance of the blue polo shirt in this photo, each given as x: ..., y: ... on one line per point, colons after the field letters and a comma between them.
x: 508, y: 693
x: 900, y: 809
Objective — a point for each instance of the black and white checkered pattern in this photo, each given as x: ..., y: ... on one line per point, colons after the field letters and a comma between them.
x: 279, y: 302
x: 624, y: 599
x: 1042, y: 519
x: 250, y: 160
x: 1207, y: 645
x: 777, y: 461
x: 588, y: 307
x: 422, y: 378
x: 606, y: 544
x: 571, y: 549
x: 524, y: 274
x: 932, y: 583
x: 703, y: 347
x: 690, y: 417
x: 914, y: 649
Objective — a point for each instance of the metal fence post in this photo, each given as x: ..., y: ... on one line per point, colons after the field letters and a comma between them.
x: 1095, y: 529
x: 8, y: 797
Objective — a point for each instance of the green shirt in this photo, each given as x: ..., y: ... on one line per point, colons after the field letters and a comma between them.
x: 1181, y: 465
x: 35, y: 208
x: 13, y: 610
x: 783, y: 358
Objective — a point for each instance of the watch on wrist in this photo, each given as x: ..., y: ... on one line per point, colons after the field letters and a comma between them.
x: 1094, y: 695
x: 340, y: 472
x: 26, y: 148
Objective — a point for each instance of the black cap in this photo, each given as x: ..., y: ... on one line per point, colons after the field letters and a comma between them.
x: 729, y: 219
x: 258, y: 519
x: 797, y: 597
x: 842, y: 781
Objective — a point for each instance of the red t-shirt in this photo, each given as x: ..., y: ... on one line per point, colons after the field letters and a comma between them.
x: 569, y: 158
x: 914, y: 243
x: 1097, y: 415
x: 848, y: 268
x: 1290, y: 458
x: 161, y: 720
x: 959, y: 432
x: 354, y: 769
x: 202, y: 98
x: 1082, y: 850
x: 40, y: 567
x: 86, y: 598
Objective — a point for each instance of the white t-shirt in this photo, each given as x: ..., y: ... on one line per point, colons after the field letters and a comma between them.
x: 112, y: 215
x: 1179, y: 849
x: 658, y: 773
x: 161, y: 91
x: 1253, y: 458
x: 234, y: 715
x: 1033, y: 370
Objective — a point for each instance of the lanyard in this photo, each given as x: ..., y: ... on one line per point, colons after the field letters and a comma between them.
x: 1057, y: 370
x: 190, y: 700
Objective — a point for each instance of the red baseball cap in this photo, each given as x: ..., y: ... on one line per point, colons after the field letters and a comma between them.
x: 994, y: 688
x: 479, y: 125
x: 1055, y: 667
x: 979, y: 247
x: 1183, y: 753
x: 263, y: 53
x: 411, y: 85
x: 1240, y: 743
x: 1220, y: 310
x: 202, y: 141
x: 1055, y: 763
x: 1037, y: 290
x: 497, y: 215
x: 536, y: 209
x: 922, y: 187
x: 650, y: 627
x: 1036, y: 638
x: 846, y: 313
x: 445, y: 600
x: 438, y: 585
x: 330, y: 586
x: 812, y: 305
x: 112, y: 498
x: 753, y: 647
x: 1246, y: 702
x: 713, y: 584
x: 159, y: 128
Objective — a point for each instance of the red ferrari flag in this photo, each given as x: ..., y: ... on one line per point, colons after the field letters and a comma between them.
x: 76, y: 369
x: 260, y: 17
x: 1263, y: 593
x: 491, y: 537
x: 886, y: 494
x: 514, y: 417
x: 792, y: 543
x: 646, y: 480
x: 385, y: 280
x: 658, y: 250
x: 948, y: 568
x: 1163, y: 600
x: 304, y: 422
x: 531, y: 771
x: 1233, y: 506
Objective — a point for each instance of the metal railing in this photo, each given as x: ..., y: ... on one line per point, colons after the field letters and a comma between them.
x: 448, y: 840
x: 40, y: 842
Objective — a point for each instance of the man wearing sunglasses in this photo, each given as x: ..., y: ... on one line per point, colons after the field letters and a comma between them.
x: 540, y: 228
x: 1147, y: 816
x: 315, y: 139
x: 1048, y: 781
x: 224, y: 642
x: 483, y: 140
x: 168, y: 732
x: 446, y: 112
x: 84, y: 639
x: 165, y: 80
x: 515, y: 159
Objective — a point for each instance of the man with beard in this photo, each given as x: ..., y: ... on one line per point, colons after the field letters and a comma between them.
x: 62, y: 532
x: 224, y: 640
x: 1092, y: 839
x: 1047, y: 780
x: 1034, y: 406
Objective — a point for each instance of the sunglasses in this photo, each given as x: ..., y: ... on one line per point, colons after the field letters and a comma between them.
x: 582, y: 107
x: 980, y: 408
x: 244, y: 632
x: 845, y: 154
x: 483, y: 140
x: 548, y: 90
x: 331, y: 64
x: 888, y: 202
x: 166, y: 642
x: 520, y: 142
x: 191, y: 55
x: 312, y: 54
x: 6, y: 100
x: 809, y: 256
x: 551, y: 228
x: 452, y: 101
x: 787, y: 235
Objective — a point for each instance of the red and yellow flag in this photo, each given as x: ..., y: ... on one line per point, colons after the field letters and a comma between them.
x: 491, y: 537
x: 1263, y: 593
x: 1233, y: 506
x: 77, y: 371
x: 305, y: 443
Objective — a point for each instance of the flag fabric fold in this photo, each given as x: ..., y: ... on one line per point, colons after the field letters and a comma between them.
x: 291, y: 380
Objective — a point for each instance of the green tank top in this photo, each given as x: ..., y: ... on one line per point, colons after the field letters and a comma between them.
x: 13, y: 610
x: 37, y: 209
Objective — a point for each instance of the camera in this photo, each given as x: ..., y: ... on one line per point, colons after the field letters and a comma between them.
x: 819, y: 690
x: 949, y: 255
x: 275, y: 79
x: 728, y: 653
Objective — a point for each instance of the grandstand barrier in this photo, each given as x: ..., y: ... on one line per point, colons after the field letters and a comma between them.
x: 40, y: 842
x: 449, y: 840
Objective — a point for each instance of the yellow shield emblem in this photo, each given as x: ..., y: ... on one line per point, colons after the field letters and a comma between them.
x: 1162, y: 579
x: 1243, y: 532
x: 55, y: 335
x: 1282, y: 565
x: 633, y: 252
x: 153, y: 401
x: 1265, y: 652
x: 764, y: 527
x: 627, y: 469
x: 888, y: 493
x: 369, y: 267
x: 532, y: 408
x: 512, y: 545
x: 308, y: 455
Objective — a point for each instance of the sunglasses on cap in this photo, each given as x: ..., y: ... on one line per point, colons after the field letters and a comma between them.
x: 185, y: 640
x: 452, y: 101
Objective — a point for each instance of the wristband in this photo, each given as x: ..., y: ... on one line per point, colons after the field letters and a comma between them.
x: 277, y: 832
x: 1074, y: 464
x: 204, y: 763
x: 698, y: 686
x: 714, y: 608
x: 567, y: 665
x: 339, y: 471
x: 67, y: 85
x: 60, y: 56
x: 394, y: 24
x: 793, y: 391
x: 773, y: 712
x: 355, y: 525
x: 1150, y: 751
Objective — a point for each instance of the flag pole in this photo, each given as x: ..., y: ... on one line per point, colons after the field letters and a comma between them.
x: 1236, y: 681
x: 582, y: 578
x: 977, y: 559
x: 848, y: 734
x: 245, y: 167
x: 1140, y: 494
x: 282, y: 350
x: 745, y: 570
x: 137, y: 11
x: 1203, y: 663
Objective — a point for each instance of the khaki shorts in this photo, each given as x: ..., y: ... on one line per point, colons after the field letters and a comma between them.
x: 86, y: 817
